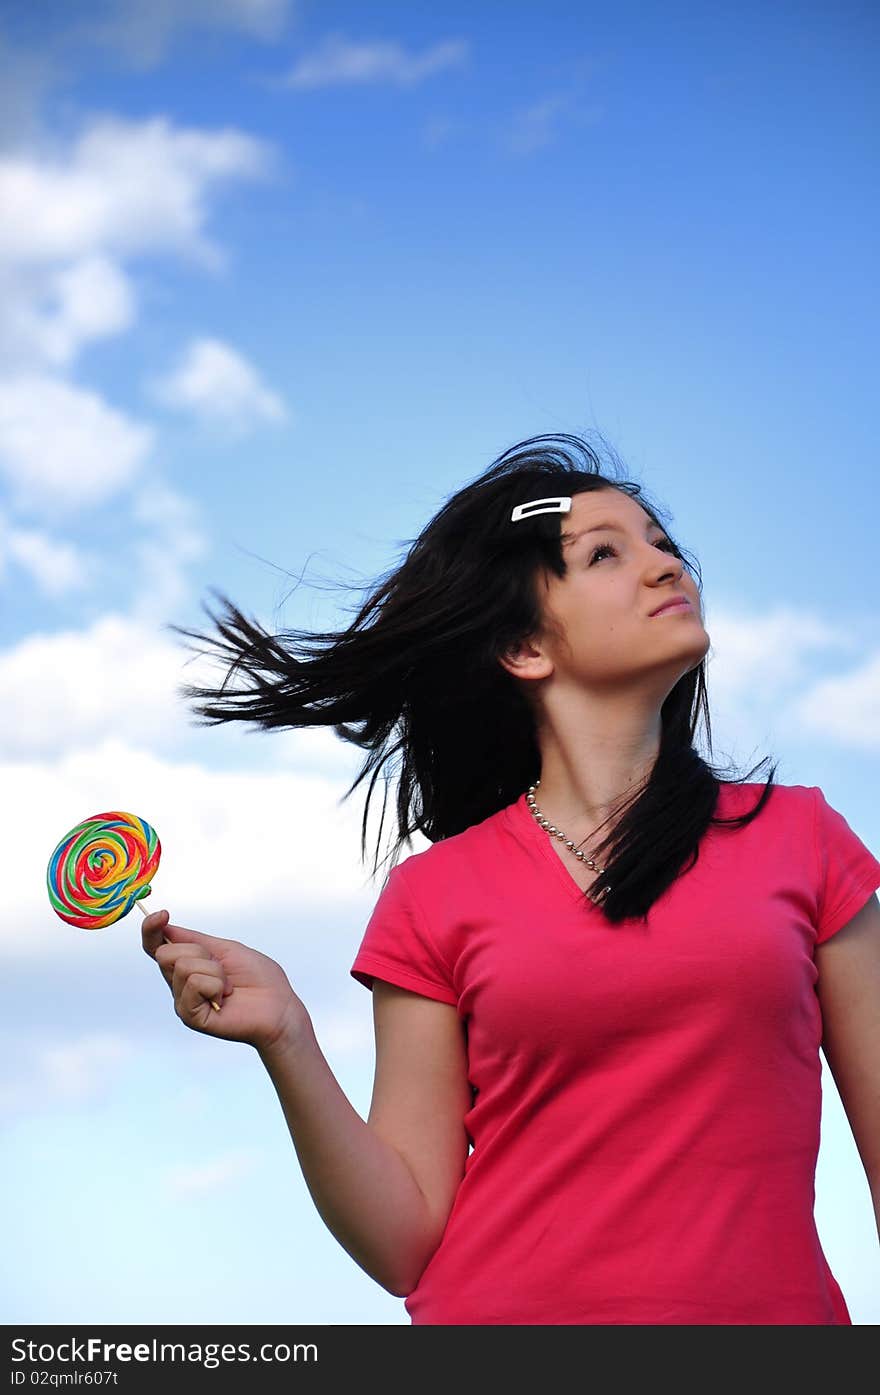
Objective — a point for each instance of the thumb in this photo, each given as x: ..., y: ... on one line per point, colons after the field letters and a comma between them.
x: 157, y: 931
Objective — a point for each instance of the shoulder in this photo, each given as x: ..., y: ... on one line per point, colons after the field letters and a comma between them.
x: 460, y: 850
x: 780, y: 828
x: 737, y: 799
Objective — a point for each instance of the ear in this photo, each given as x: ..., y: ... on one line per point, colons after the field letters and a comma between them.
x: 526, y: 659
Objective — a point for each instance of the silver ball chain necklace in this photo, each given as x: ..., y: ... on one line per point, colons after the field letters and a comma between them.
x: 558, y: 833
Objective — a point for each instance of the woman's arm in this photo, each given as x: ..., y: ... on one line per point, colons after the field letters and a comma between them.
x: 383, y: 1186
x: 848, y: 988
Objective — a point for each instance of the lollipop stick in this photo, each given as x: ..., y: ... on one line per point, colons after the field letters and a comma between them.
x: 144, y: 912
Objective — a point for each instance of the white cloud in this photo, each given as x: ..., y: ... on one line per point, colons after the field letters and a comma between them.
x: 338, y: 60
x: 174, y: 541
x: 761, y: 657
x: 73, y: 216
x: 314, y: 749
x: 127, y: 187
x: 56, y: 567
x: 61, y: 447
x: 264, y: 853
x: 537, y: 125
x: 152, y: 548
x: 66, y: 690
x: 64, y: 1072
x: 534, y: 127
x: 75, y: 1070
x: 844, y: 707
x: 216, y: 383
x: 213, y: 1176
x: 119, y: 679
x: 51, y: 315
x: 762, y: 679
x: 142, y: 33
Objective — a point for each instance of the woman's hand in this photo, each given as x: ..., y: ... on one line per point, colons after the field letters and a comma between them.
x: 257, y: 1003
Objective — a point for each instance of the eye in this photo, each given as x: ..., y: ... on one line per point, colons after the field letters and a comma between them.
x: 609, y: 547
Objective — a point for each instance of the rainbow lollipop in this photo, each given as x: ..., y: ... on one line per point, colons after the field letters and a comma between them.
x: 102, y: 868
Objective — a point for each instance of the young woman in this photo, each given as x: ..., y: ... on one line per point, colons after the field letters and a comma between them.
x: 599, y: 995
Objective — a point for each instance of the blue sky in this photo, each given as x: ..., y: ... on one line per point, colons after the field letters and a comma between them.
x: 278, y: 278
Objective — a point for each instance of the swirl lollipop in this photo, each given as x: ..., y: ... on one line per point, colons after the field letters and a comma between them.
x: 102, y: 868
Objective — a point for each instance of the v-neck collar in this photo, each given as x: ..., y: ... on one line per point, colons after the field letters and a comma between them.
x: 523, y: 824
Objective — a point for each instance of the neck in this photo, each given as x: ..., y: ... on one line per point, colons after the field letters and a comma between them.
x: 589, y: 772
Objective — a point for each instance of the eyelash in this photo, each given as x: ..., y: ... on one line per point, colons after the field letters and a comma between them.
x: 609, y: 547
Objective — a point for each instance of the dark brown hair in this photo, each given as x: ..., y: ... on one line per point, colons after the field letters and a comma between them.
x: 415, y: 680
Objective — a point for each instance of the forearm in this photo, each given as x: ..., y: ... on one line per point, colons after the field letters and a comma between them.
x: 362, y: 1187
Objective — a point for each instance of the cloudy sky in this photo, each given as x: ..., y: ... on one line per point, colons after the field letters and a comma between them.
x: 277, y: 278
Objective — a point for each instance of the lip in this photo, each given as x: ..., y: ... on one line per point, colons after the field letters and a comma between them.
x: 674, y: 603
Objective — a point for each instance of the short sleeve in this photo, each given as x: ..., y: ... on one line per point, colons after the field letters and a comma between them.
x: 398, y: 946
x: 848, y: 872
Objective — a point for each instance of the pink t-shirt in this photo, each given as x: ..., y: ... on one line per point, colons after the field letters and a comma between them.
x: 645, y: 1122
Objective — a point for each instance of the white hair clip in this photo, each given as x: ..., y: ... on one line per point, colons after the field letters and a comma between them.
x: 561, y: 503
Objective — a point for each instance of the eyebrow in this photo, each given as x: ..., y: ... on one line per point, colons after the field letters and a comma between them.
x: 607, y: 527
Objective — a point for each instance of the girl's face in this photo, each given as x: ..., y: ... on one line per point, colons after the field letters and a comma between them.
x: 620, y: 568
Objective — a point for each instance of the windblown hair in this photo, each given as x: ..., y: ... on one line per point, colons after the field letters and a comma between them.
x: 415, y: 680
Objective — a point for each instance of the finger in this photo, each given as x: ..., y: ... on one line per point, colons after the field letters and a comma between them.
x: 180, y: 934
x: 152, y: 931
x: 187, y: 965
x: 198, y: 991
x: 167, y: 956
